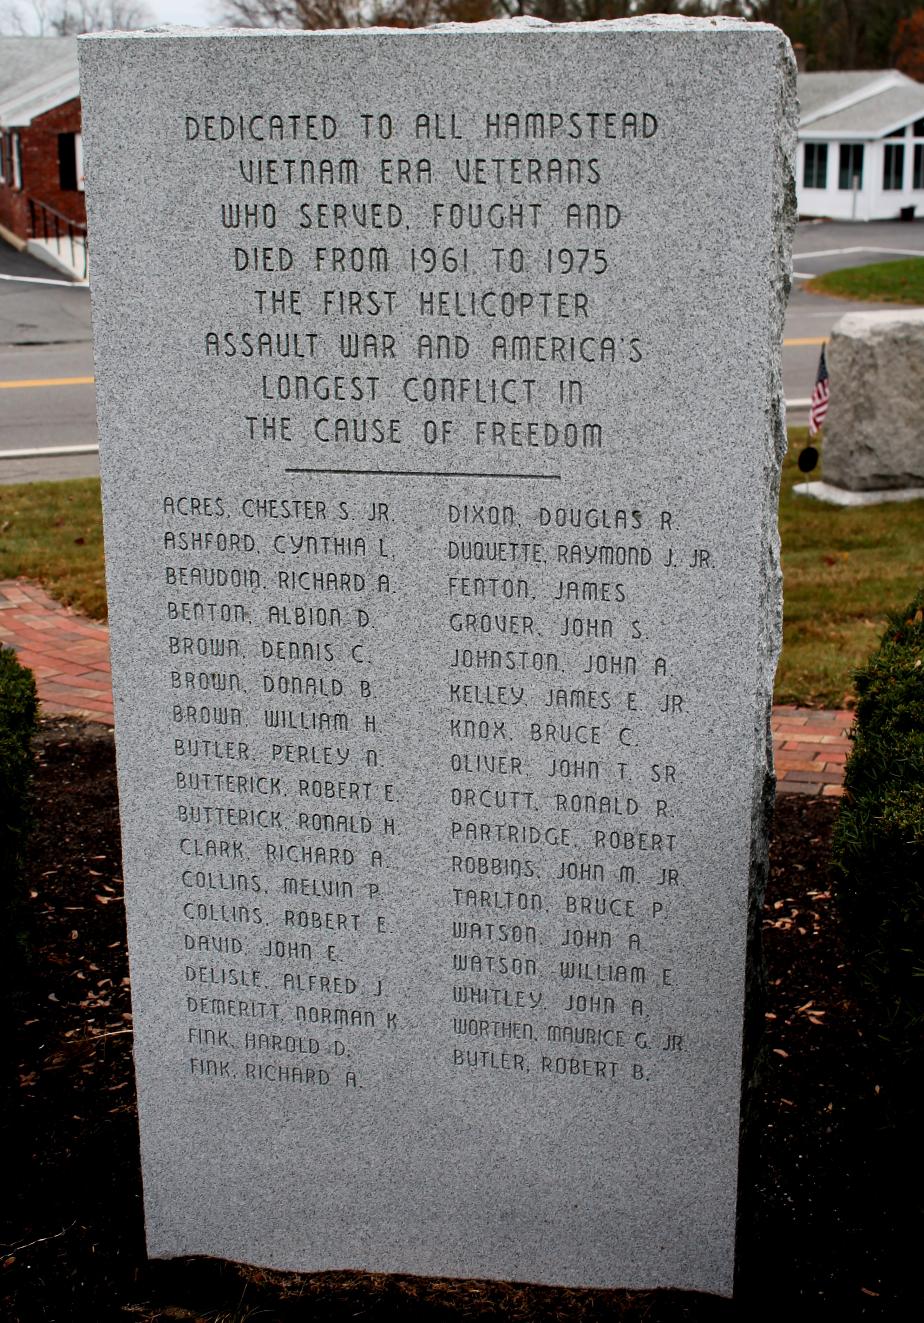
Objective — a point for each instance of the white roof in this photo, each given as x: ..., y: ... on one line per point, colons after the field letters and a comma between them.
x: 36, y: 74
x: 858, y: 105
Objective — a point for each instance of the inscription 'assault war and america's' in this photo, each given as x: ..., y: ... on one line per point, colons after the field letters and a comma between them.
x: 439, y: 629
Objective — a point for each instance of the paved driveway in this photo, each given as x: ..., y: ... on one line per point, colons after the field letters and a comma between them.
x: 44, y: 337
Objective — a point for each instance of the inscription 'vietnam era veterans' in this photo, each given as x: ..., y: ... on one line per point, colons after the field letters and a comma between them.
x: 439, y: 404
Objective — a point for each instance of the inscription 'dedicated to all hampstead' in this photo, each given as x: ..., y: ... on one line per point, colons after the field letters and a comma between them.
x: 555, y: 675
x: 435, y: 648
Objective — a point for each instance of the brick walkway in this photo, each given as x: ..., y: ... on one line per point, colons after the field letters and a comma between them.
x: 70, y: 658
x: 810, y: 748
x: 68, y: 654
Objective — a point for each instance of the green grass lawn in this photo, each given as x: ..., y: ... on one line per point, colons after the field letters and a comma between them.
x: 843, y: 570
x: 884, y: 282
x: 52, y: 532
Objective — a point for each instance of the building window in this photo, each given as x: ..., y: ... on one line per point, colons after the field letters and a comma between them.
x: 850, y: 172
x: 918, y: 180
x: 918, y: 128
x: 15, y: 161
x: 815, y: 168
x: 67, y: 162
x: 3, y: 169
x: 893, y: 166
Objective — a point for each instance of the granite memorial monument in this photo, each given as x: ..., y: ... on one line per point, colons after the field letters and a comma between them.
x: 439, y: 397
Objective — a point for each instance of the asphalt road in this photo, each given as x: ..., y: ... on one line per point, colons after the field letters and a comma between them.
x: 45, y: 341
x: 821, y: 246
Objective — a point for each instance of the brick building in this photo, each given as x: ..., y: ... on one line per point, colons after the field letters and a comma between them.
x: 41, y: 167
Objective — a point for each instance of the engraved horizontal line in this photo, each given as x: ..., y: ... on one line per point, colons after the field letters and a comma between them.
x: 430, y: 473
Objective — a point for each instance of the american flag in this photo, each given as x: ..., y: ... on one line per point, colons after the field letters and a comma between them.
x: 819, y: 408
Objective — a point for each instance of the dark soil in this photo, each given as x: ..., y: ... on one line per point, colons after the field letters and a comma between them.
x: 818, y: 1225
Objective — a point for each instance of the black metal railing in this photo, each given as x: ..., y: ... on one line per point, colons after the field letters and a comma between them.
x: 68, y: 237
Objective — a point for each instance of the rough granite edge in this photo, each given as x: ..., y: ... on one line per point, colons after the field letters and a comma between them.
x: 874, y: 324
x: 640, y: 23
x: 770, y: 625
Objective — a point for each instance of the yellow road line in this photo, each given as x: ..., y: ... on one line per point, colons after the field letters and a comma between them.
x: 48, y: 381
x: 812, y: 340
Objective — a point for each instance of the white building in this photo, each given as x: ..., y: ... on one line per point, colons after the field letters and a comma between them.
x: 861, y: 145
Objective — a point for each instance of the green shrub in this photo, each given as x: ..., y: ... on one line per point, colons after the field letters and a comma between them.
x: 879, y: 838
x: 17, y: 724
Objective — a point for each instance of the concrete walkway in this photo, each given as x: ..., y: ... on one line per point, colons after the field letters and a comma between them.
x: 69, y: 656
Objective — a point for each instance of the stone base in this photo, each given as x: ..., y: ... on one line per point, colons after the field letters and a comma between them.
x: 873, y: 436
x: 826, y: 491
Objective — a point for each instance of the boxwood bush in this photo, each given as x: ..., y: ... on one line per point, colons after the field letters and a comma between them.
x: 17, y: 723
x: 879, y: 837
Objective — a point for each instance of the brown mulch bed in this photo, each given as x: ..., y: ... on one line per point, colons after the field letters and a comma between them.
x: 818, y: 1224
